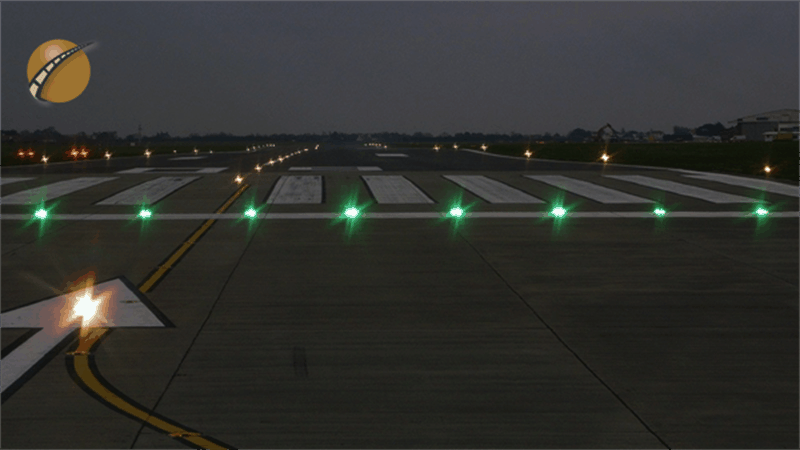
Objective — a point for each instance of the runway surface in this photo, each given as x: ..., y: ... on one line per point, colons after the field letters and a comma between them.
x: 403, y: 326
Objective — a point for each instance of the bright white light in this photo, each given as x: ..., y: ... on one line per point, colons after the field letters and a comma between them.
x: 605, y: 157
x: 145, y: 213
x: 238, y: 179
x: 44, y: 159
x: 558, y: 211
x: 528, y: 153
x: 270, y: 162
x: 250, y: 213
x: 767, y: 169
x: 351, y: 213
x: 455, y: 146
x: 147, y: 153
x: 659, y: 212
x: 41, y: 213
x: 484, y: 147
x: 762, y: 212
x: 86, y: 308
x: 195, y: 151
x: 258, y: 168
x: 456, y: 212
x: 107, y: 155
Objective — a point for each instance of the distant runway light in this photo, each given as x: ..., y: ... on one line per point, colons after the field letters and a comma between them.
x: 174, y: 151
x: 484, y: 147
x: 455, y: 146
x: 195, y: 151
x: 147, y: 153
x: 107, y: 155
x: 767, y: 169
x: 605, y: 157
x: 258, y: 168
x: 238, y: 179
x: 44, y: 159
x: 528, y: 153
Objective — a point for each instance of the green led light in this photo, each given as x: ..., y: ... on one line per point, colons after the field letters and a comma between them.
x: 351, y: 213
x: 41, y: 213
x: 250, y: 213
x: 145, y: 213
x: 761, y: 212
x: 558, y: 211
x: 456, y: 212
x: 660, y: 212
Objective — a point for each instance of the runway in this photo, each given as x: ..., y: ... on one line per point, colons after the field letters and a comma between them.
x: 403, y: 326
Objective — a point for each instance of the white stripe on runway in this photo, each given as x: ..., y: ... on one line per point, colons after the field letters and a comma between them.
x: 336, y: 168
x: 491, y: 190
x: 173, y: 170
x: 683, y: 189
x: 9, y: 180
x: 148, y: 192
x: 53, y: 190
x: 292, y: 189
x: 394, y: 189
x: 769, y: 186
x: 416, y: 215
x: 589, y: 190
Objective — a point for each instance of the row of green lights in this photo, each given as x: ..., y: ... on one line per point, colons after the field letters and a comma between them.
x: 352, y: 212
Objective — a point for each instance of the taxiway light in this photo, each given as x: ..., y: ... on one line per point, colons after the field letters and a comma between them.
x: 238, y: 179
x: 456, y: 212
x: 767, y: 169
x: 251, y: 213
x: 41, y: 213
x: 351, y: 213
x: 605, y: 157
x: 145, y: 214
x: 484, y: 147
x: 44, y: 159
x: 258, y: 168
x: 107, y: 155
x: 558, y: 212
x: 528, y: 153
x: 147, y: 153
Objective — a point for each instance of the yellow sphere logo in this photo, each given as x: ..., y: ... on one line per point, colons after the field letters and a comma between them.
x: 58, y: 71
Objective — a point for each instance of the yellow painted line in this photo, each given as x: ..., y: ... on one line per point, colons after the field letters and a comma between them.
x: 164, y: 268
x: 84, y: 372
x: 91, y: 337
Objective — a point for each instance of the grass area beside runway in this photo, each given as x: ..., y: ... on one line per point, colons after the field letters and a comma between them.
x: 736, y: 158
x: 60, y: 152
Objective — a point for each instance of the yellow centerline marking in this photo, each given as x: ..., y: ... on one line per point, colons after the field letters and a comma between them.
x: 164, y: 268
x: 91, y: 337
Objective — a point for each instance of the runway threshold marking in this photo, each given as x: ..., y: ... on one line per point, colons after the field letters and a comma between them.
x: 53, y: 190
x: 81, y: 364
x: 682, y: 189
x: 491, y: 190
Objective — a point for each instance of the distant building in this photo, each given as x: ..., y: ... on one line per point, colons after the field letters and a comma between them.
x: 753, y: 127
x: 655, y: 136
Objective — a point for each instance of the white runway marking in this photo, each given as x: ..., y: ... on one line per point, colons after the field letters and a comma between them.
x: 394, y: 189
x: 187, y: 158
x: 336, y: 168
x: 53, y: 190
x: 490, y: 190
x: 589, y: 190
x: 175, y: 170
x: 292, y: 189
x: 767, y: 185
x: 150, y: 192
x: 391, y: 155
x: 417, y: 215
x: 9, y: 180
x: 683, y: 189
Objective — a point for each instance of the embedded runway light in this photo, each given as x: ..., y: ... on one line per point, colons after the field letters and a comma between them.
x: 660, y: 212
x: 86, y: 307
x: 107, y: 155
x: 484, y: 147
x: 761, y: 212
x: 558, y: 212
x: 145, y: 213
x: 455, y: 146
x: 436, y: 147
x: 41, y: 213
x: 251, y: 213
x: 44, y: 159
x: 195, y: 151
x: 238, y: 179
x: 211, y: 151
x: 528, y: 153
x: 767, y: 169
x: 351, y: 213
x: 258, y: 168
x: 174, y: 151
x: 147, y: 153
x: 456, y: 212
x: 605, y: 157
x: 270, y: 162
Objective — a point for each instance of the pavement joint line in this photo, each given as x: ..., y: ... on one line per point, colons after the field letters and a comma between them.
x: 81, y: 363
x: 555, y: 334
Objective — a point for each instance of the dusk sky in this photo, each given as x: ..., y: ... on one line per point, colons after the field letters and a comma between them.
x: 295, y: 67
